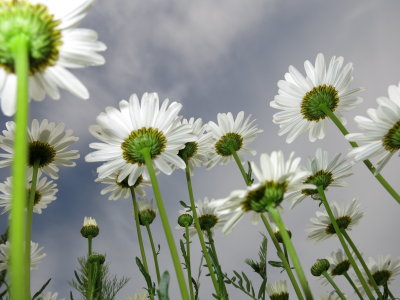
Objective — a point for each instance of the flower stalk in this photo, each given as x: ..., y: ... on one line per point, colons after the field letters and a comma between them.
x: 153, y: 249
x: 347, y: 276
x: 337, y: 289
x: 188, y: 264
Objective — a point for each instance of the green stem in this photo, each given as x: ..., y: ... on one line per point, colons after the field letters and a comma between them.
x: 138, y: 231
x: 188, y: 265
x: 368, y: 163
x: 239, y: 164
x: 364, y: 265
x: 386, y: 287
x: 167, y: 228
x: 337, y: 289
x: 153, y: 249
x: 353, y: 285
x: 283, y: 258
x: 343, y: 242
x: 90, y: 238
x: 292, y: 252
x: 18, y: 276
x: 198, y: 229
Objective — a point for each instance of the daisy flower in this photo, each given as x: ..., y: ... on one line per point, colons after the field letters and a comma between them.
x: 231, y: 135
x: 147, y: 211
x: 276, y: 177
x: 300, y: 97
x: 125, y: 132
x: 278, y: 290
x: 47, y: 144
x: 381, y: 131
x: 45, y: 194
x: 50, y: 296
x: 346, y: 218
x: 54, y: 46
x: 383, y: 270
x: 324, y: 173
x: 36, y: 255
x: 339, y: 263
x: 89, y: 229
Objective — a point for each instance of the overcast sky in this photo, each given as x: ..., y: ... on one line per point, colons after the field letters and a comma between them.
x: 218, y: 56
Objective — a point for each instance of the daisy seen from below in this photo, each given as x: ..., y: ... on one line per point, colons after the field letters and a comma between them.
x: 300, y: 97
x: 36, y: 255
x: 147, y: 211
x: 45, y: 193
x: 278, y: 290
x: 339, y: 263
x: 346, y: 217
x: 230, y: 137
x: 135, y: 126
x: 380, y: 136
x: 54, y: 46
x: 47, y: 146
x: 324, y: 173
x: 276, y: 178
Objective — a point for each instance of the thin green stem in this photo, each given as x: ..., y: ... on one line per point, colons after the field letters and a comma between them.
x: 138, y: 230
x: 369, y: 165
x: 386, y: 287
x: 283, y: 258
x: 90, y: 238
x: 292, y: 252
x: 198, y: 229
x: 188, y: 264
x: 153, y: 249
x: 18, y: 276
x: 337, y: 289
x: 167, y: 228
x: 364, y: 265
x: 239, y: 164
x: 353, y: 285
x: 343, y: 242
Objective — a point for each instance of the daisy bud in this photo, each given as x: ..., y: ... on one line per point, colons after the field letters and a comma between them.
x: 146, y: 217
x: 89, y: 228
x: 278, y: 235
x: 97, y: 258
x: 185, y: 220
x: 321, y: 266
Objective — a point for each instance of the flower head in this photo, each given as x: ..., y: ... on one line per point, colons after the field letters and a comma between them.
x: 381, y: 131
x: 47, y: 145
x: 89, y: 228
x: 346, y: 218
x: 323, y: 173
x: 36, y: 255
x: 147, y: 212
x: 319, y: 267
x: 278, y: 290
x: 383, y: 270
x: 300, y: 98
x: 340, y: 264
x: 134, y: 128
x: 54, y: 45
x: 231, y: 135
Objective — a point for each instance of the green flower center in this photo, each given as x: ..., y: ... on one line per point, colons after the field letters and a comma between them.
x: 207, y: 221
x: 381, y: 277
x: 340, y: 268
x: 280, y: 296
x: 322, y: 94
x: 228, y: 143
x: 37, y: 198
x: 258, y: 200
x: 343, y: 223
x: 42, y: 152
x: 391, y: 140
x: 140, y: 139
x: 189, y: 151
x: 37, y: 25
x: 320, y: 178
x: 124, y: 183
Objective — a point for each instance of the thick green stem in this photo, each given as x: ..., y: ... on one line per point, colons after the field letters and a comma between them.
x: 353, y: 285
x: 292, y: 252
x: 283, y: 258
x: 198, y: 229
x: 18, y: 276
x: 364, y: 265
x: 337, y: 289
x: 138, y: 230
x: 167, y: 228
x: 343, y: 242
x: 369, y: 165
x: 188, y: 265
x: 239, y: 164
x: 153, y: 249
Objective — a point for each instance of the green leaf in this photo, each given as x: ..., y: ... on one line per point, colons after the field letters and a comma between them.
x: 163, y: 287
x: 150, y: 287
x: 71, y: 297
x: 41, y: 289
x: 276, y: 264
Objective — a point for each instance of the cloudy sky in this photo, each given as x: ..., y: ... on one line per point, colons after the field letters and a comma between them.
x: 218, y: 56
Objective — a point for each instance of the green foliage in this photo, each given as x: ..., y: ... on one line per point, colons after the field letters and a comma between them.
x: 162, y: 290
x: 38, y: 293
x: 150, y: 284
x: 249, y: 174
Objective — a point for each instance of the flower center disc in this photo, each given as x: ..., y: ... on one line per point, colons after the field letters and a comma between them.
x: 341, y: 268
x: 343, y: 223
x: 37, y: 25
x: 322, y: 94
x: 320, y: 178
x: 381, y: 277
x: 42, y: 152
x: 189, y: 151
x: 140, y: 139
x: 261, y: 198
x: 207, y: 221
x: 227, y: 143
x: 391, y: 140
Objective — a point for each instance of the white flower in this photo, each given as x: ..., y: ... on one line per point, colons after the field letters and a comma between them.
x: 231, y: 134
x: 50, y: 296
x: 54, y: 46
x: 278, y: 290
x: 135, y: 126
x: 346, y: 218
x: 45, y: 194
x: 89, y: 221
x: 47, y: 143
x: 381, y: 131
x: 300, y: 97
x: 339, y: 263
x: 139, y: 296
x: 323, y: 172
x: 276, y: 177
x: 36, y: 255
